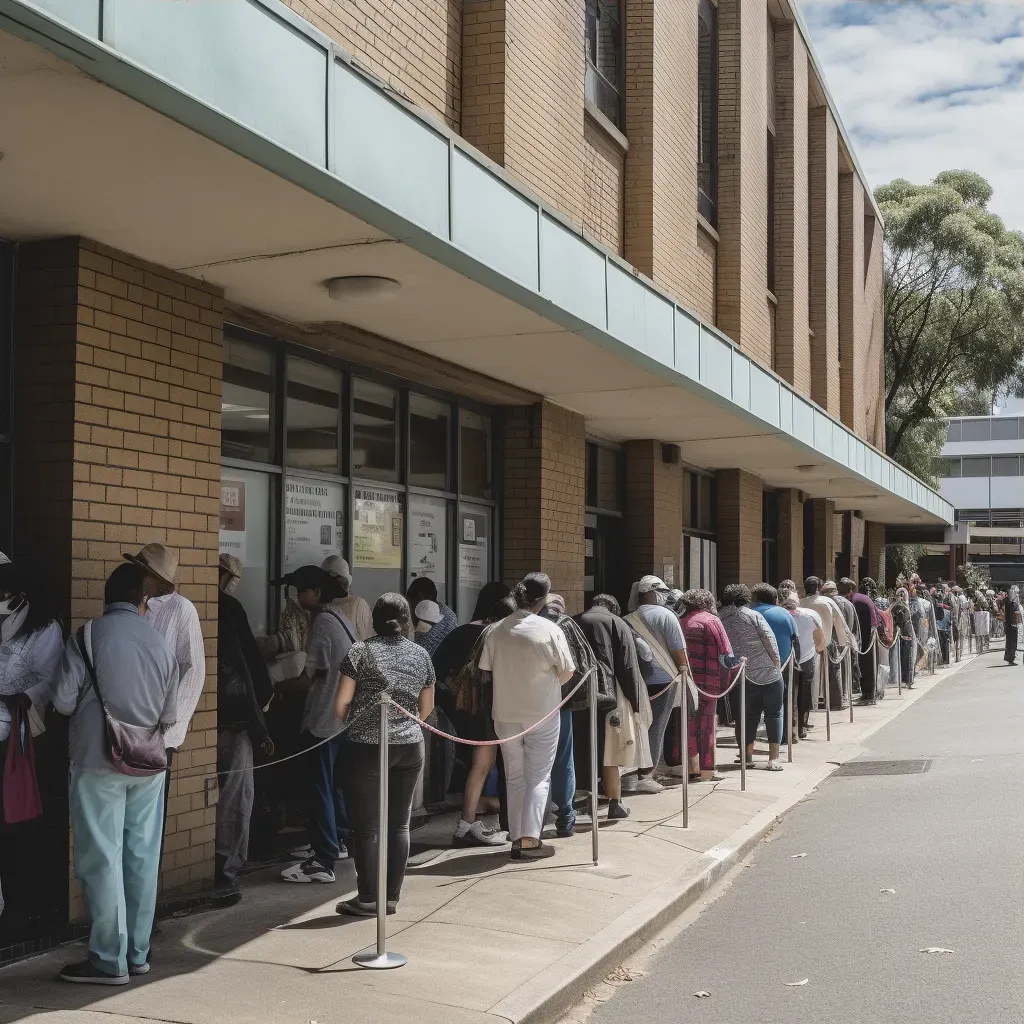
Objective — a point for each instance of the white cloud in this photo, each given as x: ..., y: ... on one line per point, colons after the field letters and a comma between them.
x: 927, y: 86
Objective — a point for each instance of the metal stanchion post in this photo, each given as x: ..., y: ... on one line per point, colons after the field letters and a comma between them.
x: 899, y: 664
x: 789, y: 708
x: 593, y: 767
x: 828, y: 694
x: 848, y: 673
x: 684, y: 744
x: 380, y: 959
x: 743, y: 727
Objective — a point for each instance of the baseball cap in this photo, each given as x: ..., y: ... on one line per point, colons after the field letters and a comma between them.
x: 649, y: 583
x: 428, y: 611
x: 337, y: 567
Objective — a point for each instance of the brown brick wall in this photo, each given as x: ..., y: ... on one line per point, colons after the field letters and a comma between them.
x: 739, y: 527
x: 791, y: 535
x: 654, y: 512
x: 824, y: 540
x: 851, y: 300
x: 743, y: 176
x: 875, y: 549
x: 705, y: 269
x: 869, y: 347
x: 413, y: 45
x: 792, y: 348
x: 823, y: 159
x: 604, y: 169
x: 483, y: 76
x: 133, y: 431
x: 544, y: 497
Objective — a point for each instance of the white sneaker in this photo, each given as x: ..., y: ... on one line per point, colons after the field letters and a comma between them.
x: 308, y: 871
x: 648, y: 785
x: 478, y: 834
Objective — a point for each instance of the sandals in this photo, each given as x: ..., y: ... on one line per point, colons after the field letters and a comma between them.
x: 773, y: 766
x: 541, y: 852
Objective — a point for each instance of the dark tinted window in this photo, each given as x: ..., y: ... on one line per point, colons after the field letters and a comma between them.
x: 313, y: 419
x: 429, y: 436
x: 375, y: 430
x: 1004, y: 428
x: 246, y: 402
x: 475, y: 444
x: 1005, y: 465
x: 976, y: 466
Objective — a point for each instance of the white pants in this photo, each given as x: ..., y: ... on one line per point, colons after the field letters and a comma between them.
x: 528, y: 762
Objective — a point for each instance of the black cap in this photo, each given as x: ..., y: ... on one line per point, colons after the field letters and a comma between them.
x: 309, y: 577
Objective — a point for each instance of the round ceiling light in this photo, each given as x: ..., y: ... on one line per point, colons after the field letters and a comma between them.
x: 361, y: 288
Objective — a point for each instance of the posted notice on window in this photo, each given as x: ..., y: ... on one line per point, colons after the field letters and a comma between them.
x: 232, y: 519
x: 376, y: 529
x: 314, y: 522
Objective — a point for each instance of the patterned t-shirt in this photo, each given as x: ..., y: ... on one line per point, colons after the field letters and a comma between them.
x: 386, y: 661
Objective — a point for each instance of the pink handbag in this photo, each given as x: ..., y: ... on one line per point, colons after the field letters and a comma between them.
x: 21, y: 788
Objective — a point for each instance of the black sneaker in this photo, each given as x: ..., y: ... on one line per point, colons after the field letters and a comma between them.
x: 85, y: 973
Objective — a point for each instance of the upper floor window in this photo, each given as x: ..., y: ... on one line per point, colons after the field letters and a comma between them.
x: 605, y: 64
x: 707, y: 111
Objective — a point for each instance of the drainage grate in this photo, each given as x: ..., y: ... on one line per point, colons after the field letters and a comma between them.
x: 883, y: 768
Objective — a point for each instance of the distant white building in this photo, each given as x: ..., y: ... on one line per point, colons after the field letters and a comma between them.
x: 981, y: 472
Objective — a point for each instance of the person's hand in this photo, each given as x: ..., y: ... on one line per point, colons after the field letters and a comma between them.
x: 13, y: 701
x: 267, y: 746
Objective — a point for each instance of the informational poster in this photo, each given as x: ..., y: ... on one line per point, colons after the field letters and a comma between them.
x: 232, y: 519
x: 428, y: 540
x: 376, y: 529
x: 314, y: 521
x: 473, y: 550
x: 669, y: 573
x: 695, y: 577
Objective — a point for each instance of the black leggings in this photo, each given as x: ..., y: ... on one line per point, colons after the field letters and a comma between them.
x: 360, y: 782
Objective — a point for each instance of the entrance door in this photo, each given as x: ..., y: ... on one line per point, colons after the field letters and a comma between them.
x: 605, y: 563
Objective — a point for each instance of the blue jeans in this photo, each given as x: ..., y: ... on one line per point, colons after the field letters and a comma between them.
x: 766, y: 700
x: 563, y: 774
x: 117, y: 822
x: 328, y: 819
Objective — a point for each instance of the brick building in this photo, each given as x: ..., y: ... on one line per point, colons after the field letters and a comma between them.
x: 451, y: 287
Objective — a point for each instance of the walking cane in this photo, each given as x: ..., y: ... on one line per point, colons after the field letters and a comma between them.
x: 593, y: 766
x: 380, y: 959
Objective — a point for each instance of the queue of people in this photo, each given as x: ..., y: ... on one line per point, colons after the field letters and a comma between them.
x: 516, y: 682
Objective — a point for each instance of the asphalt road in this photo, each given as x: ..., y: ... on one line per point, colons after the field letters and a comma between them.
x: 950, y: 842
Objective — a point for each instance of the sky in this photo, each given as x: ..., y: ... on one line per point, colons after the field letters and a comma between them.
x: 924, y: 86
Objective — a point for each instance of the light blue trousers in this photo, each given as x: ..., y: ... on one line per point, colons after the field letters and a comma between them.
x: 117, y: 822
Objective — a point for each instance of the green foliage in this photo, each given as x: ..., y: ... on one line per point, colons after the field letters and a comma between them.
x: 973, y: 576
x: 902, y: 559
x: 954, y: 310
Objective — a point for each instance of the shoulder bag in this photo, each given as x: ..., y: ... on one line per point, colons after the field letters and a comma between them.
x: 20, y: 787
x: 136, y: 750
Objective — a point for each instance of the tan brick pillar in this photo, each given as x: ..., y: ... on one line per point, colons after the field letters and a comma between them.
x: 119, y: 366
x: 823, y: 158
x: 791, y: 536
x: 824, y: 540
x: 743, y: 311
x: 851, y: 297
x: 483, y: 77
x: 792, y: 341
x: 654, y: 513
x: 739, y: 527
x: 544, y: 498
x: 875, y: 544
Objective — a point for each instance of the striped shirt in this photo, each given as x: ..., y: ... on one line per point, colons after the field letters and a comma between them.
x: 175, y: 618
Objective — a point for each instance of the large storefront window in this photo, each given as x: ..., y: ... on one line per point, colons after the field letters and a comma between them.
x: 604, y: 529
x: 322, y: 459
x: 698, y: 556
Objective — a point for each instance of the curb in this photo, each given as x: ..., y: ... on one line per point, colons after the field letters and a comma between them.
x: 558, y: 988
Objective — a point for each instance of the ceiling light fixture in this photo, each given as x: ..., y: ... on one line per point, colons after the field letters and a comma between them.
x: 361, y: 288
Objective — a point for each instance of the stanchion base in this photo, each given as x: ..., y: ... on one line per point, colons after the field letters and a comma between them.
x: 373, y: 961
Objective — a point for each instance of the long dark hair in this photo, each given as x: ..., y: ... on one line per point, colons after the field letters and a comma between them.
x: 531, y: 588
x: 40, y: 608
x: 391, y: 616
x: 489, y: 596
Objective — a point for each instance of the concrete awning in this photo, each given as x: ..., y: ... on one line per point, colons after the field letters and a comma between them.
x: 235, y: 143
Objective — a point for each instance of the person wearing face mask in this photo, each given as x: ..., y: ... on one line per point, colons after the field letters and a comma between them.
x: 244, y: 689
x: 30, y: 652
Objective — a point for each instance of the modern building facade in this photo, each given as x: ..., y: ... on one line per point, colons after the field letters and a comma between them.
x: 981, y: 475
x: 463, y: 288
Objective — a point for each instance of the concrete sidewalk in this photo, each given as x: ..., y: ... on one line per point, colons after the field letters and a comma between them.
x: 487, y: 940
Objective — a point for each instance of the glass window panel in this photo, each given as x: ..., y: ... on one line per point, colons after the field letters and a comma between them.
x: 977, y: 430
x: 706, y: 510
x: 953, y: 431
x: 245, y: 533
x: 428, y: 541
x: 246, y: 403
x: 476, y: 550
x: 608, y: 478
x: 976, y: 466
x: 689, y: 490
x: 953, y: 467
x: 314, y: 397
x: 1004, y: 428
x: 1005, y: 465
x: 475, y: 434
x: 375, y: 431
x: 429, y: 442
x: 314, y: 521
x: 378, y: 537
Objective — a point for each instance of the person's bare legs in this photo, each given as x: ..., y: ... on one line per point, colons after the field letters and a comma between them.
x: 612, y: 782
x: 483, y: 762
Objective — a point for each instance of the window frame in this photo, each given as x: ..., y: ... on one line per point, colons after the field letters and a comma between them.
x: 593, y: 73
x: 707, y: 200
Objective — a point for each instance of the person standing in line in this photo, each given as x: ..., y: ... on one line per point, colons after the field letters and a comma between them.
x: 529, y: 660
x: 423, y: 588
x: 352, y: 606
x: 903, y: 626
x: 116, y: 818
x: 388, y: 661
x: 867, y: 618
x: 833, y: 625
x: 330, y: 638
x: 840, y: 596
x: 244, y: 689
x: 1011, y: 611
x: 618, y: 693
x: 711, y: 658
x: 752, y: 638
x: 812, y: 643
x: 658, y: 626
x: 765, y: 601
x: 943, y: 620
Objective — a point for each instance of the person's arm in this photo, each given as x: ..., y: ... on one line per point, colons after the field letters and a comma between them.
x: 627, y: 667
x: 564, y: 666
x: 767, y: 634
x: 46, y: 657
x: 676, y: 642
x: 426, y: 702
x: 169, y: 714
x: 843, y: 634
x: 70, y: 677
x: 346, y: 691
x: 191, y: 657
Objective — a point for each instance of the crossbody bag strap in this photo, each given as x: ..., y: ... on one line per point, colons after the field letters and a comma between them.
x: 85, y: 648
x: 344, y: 624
